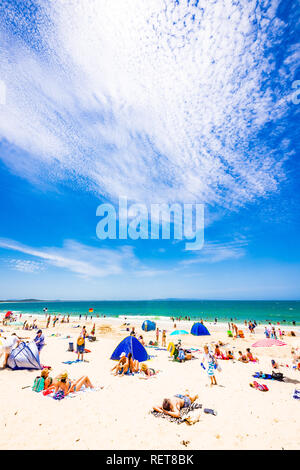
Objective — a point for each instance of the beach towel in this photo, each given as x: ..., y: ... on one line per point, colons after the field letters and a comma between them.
x: 72, y: 362
x: 260, y: 375
x: 183, y: 413
x: 38, y: 384
x: 277, y: 376
x: 260, y: 387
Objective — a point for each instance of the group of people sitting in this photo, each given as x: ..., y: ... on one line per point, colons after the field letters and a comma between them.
x: 247, y: 357
x: 62, y: 383
x: 128, y: 365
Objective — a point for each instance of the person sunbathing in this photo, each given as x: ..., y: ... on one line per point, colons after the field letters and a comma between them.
x: 218, y: 353
x: 250, y: 356
x: 172, y: 406
x: 148, y: 371
x: 229, y: 355
x: 242, y: 357
x: 121, y: 364
x: 68, y: 386
x: 132, y: 365
x: 49, y: 383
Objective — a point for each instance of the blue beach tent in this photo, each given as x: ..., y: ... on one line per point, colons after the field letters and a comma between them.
x: 148, y: 325
x: 199, y: 330
x: 130, y: 344
x: 24, y: 356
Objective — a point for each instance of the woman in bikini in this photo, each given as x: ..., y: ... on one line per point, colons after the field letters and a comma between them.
x: 243, y: 357
x: 148, y: 371
x: 68, y: 386
x: 250, y: 356
x: 121, y: 364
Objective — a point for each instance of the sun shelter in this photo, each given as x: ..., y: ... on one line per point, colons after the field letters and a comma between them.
x: 133, y: 345
x: 24, y: 356
x: 198, y: 329
x: 148, y: 325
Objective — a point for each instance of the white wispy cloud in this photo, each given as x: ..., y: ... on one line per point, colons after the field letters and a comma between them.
x: 26, y: 266
x: 83, y: 260
x: 158, y: 101
x: 214, y: 252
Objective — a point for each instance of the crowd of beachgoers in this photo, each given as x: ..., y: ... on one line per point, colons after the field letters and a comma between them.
x: 207, y: 352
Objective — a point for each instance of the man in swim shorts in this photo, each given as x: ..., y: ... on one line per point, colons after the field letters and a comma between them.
x: 172, y: 406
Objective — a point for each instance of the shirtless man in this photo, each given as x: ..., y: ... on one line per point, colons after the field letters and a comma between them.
x: 172, y: 406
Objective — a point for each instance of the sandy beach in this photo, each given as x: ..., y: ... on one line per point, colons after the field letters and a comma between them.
x: 118, y: 416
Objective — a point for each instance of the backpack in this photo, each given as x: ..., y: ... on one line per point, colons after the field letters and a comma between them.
x: 277, y: 376
x: 38, y: 384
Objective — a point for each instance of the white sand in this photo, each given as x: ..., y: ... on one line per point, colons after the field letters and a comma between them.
x: 118, y: 417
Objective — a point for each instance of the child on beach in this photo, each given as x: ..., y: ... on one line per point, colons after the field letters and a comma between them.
x: 211, y: 365
x: 80, y: 346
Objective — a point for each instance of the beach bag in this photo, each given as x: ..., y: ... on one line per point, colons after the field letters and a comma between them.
x: 277, y: 376
x: 38, y: 384
x: 71, y: 347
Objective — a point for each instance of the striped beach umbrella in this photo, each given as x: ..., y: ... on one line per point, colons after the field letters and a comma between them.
x: 266, y: 343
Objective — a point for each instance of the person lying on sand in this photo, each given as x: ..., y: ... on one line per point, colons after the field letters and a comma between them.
x: 68, y: 386
x: 172, y: 406
x: 243, y: 357
x: 148, y: 371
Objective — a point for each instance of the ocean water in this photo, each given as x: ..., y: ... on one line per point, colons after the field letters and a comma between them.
x: 223, y: 310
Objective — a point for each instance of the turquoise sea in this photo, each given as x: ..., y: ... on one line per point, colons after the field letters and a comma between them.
x: 224, y: 310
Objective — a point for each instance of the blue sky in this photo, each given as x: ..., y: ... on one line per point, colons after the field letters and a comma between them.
x: 175, y: 102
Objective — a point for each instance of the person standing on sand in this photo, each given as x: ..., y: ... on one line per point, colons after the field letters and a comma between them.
x: 39, y: 341
x: 157, y: 335
x: 163, y: 342
x: 211, y: 363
